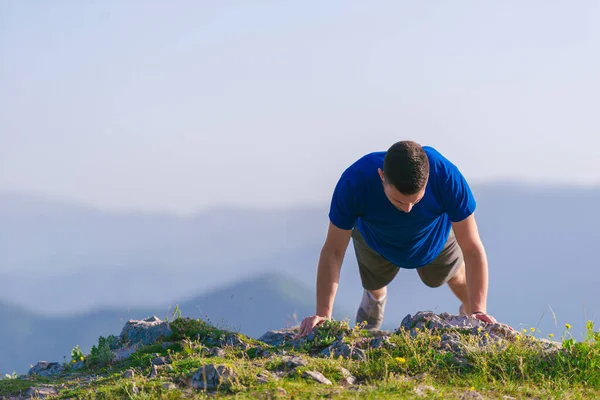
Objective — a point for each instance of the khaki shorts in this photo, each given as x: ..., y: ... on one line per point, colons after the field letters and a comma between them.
x: 377, y: 272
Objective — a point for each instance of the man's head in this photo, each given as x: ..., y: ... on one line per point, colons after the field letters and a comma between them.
x: 405, y: 174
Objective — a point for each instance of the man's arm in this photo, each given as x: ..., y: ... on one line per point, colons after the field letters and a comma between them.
x: 328, y: 276
x: 476, y: 266
x: 328, y: 270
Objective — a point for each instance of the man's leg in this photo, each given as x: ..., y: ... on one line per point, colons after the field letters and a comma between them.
x: 375, y: 274
x: 448, y: 267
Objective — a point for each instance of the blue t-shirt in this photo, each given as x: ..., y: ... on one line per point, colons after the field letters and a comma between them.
x: 407, y: 240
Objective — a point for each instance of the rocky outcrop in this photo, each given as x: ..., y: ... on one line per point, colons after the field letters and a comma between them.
x: 144, y: 332
x: 44, y: 368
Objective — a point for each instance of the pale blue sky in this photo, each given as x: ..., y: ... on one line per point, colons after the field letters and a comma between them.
x: 183, y: 105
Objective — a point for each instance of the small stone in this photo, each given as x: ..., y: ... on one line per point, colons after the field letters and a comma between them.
x: 129, y: 374
x: 216, y: 352
x: 235, y: 341
x: 169, y: 386
x: 418, y: 378
x: 311, y: 336
x: 339, y: 348
x: 41, y: 392
x: 472, y: 394
x: 278, y: 338
x: 347, y: 378
x: 211, y: 376
x: 78, y: 365
x: 316, y: 376
x: 153, y: 372
x: 265, y: 377
x: 161, y: 361
x: 382, y: 342
x: 422, y: 390
x: 134, y: 389
x: 123, y: 353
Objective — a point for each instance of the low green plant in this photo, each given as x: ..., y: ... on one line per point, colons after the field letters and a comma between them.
x: 188, y: 328
x: 101, y: 355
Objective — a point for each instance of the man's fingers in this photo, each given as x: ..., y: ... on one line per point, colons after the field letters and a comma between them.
x: 308, y: 324
x: 301, y: 329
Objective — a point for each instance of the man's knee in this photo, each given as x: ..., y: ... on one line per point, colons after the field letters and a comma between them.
x: 433, y: 282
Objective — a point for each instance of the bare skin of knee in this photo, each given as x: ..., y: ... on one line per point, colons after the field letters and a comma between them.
x: 379, y: 293
x: 458, y: 285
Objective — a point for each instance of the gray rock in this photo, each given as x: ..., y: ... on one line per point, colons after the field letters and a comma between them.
x: 212, y: 376
x: 316, y: 376
x: 382, y: 342
x: 234, y: 341
x: 339, y: 348
x: 216, y: 352
x: 347, y: 378
x: 41, y: 392
x: 44, y: 368
x: 77, y: 365
x: 278, y: 338
x: 259, y: 351
x: 161, y: 361
x: 145, y: 332
x: 129, y: 374
x: 444, y: 321
x: 292, y: 362
x: 123, y: 353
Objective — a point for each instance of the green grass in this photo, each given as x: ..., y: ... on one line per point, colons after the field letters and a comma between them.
x: 517, y: 368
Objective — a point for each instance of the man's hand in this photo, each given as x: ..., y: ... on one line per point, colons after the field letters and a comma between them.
x: 308, y: 325
x: 488, y: 318
x: 484, y: 317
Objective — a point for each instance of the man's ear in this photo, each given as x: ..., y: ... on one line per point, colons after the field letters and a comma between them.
x: 381, y: 174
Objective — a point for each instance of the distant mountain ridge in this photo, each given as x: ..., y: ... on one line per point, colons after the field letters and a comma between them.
x: 254, y: 306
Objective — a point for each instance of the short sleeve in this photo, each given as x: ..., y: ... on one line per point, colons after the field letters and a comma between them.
x: 459, y: 202
x: 346, y: 204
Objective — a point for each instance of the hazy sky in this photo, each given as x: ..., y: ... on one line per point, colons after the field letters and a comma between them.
x: 182, y: 105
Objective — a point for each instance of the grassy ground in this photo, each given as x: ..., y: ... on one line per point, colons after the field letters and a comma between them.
x: 407, y: 367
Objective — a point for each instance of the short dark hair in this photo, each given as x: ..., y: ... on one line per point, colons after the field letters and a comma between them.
x: 406, y: 166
